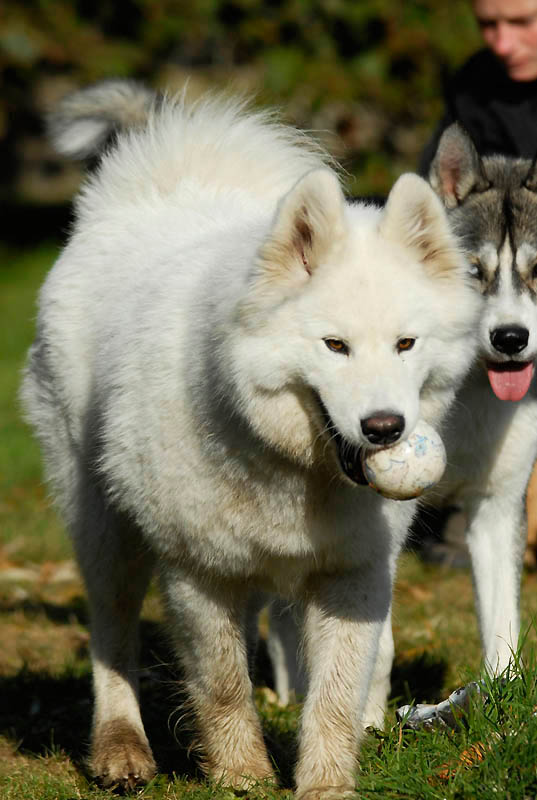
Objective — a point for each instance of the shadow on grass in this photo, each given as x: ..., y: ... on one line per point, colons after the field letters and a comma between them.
x: 46, y: 713
x: 420, y: 679
x: 73, y: 612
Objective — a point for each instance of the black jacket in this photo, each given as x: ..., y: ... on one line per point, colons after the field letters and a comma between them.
x: 499, y: 114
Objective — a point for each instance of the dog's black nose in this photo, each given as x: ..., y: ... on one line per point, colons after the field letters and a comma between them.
x: 383, y: 428
x: 509, y: 339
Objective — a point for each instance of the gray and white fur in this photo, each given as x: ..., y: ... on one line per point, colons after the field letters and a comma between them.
x: 492, y: 442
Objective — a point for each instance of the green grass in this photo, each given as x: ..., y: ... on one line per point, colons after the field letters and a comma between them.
x: 491, y: 756
x: 45, y: 680
x: 27, y: 522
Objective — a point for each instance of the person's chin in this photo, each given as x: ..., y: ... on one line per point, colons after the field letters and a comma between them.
x: 522, y: 72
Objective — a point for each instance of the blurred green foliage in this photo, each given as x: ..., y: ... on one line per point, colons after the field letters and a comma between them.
x: 368, y: 73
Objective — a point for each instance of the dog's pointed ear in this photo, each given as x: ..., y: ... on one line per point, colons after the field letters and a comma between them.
x: 530, y: 181
x: 456, y: 169
x: 307, y: 222
x: 415, y: 218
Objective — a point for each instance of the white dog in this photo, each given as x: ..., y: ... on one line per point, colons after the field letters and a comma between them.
x: 218, y: 341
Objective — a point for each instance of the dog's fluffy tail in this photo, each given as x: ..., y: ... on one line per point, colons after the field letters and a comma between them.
x: 86, y: 120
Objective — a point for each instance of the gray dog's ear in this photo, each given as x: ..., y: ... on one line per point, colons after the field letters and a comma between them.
x: 456, y: 169
x: 530, y: 181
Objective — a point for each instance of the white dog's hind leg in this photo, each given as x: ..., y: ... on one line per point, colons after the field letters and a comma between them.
x: 344, y: 618
x: 377, y: 700
x: 116, y: 572
x: 496, y: 540
x: 208, y: 626
x: 284, y: 649
x: 289, y: 674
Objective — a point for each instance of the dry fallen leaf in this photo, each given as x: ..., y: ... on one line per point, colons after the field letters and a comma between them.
x: 468, y: 758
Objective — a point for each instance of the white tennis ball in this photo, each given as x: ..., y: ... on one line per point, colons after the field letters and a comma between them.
x: 406, y: 469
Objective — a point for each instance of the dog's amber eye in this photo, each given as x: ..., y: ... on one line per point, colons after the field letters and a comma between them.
x: 337, y: 346
x: 405, y: 344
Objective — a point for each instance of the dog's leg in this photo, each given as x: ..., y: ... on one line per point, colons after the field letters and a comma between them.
x: 377, y: 700
x: 283, y: 648
x: 256, y: 602
x: 289, y: 675
x: 116, y: 572
x: 496, y: 540
x: 343, y: 622
x: 208, y: 626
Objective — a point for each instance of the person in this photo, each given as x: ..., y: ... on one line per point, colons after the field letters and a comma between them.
x: 494, y: 94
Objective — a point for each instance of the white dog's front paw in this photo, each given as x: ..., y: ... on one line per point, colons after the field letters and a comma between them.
x: 121, y: 757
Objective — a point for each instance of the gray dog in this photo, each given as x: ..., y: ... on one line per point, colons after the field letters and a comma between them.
x: 492, y: 440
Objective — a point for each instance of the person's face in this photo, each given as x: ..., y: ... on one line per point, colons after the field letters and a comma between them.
x: 509, y: 28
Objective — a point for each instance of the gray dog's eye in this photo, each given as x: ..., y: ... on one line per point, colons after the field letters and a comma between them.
x: 475, y: 270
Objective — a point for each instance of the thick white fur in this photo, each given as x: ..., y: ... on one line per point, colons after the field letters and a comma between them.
x: 174, y: 385
x: 491, y: 449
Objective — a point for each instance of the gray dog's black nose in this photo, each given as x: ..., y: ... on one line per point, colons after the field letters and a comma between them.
x: 509, y: 339
x: 383, y: 428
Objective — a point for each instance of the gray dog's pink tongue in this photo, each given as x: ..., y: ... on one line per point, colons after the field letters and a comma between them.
x: 510, y: 381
